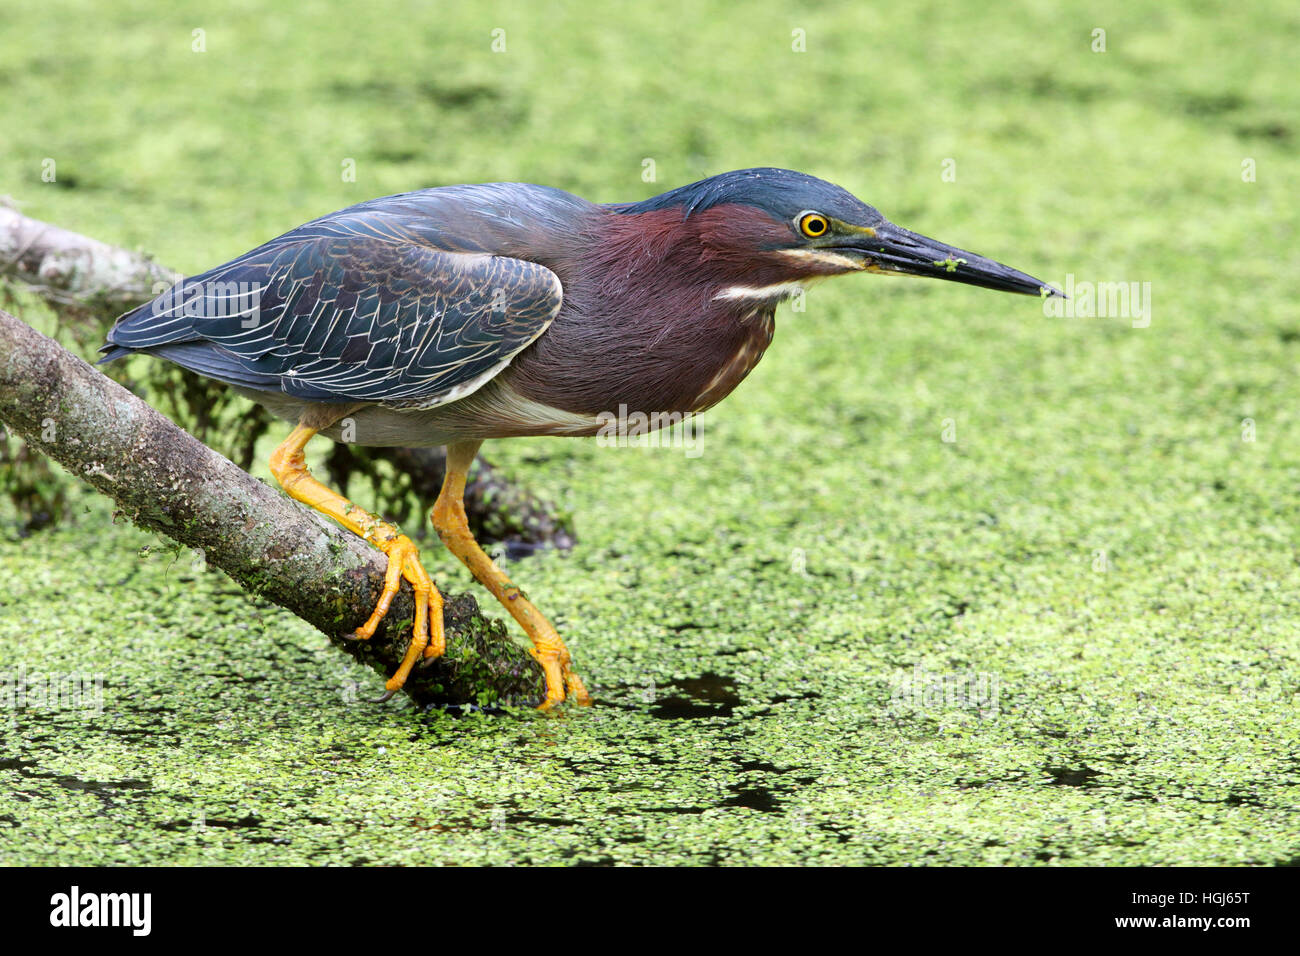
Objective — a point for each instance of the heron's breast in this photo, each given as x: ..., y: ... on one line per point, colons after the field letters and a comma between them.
x: 646, y: 354
x: 758, y: 336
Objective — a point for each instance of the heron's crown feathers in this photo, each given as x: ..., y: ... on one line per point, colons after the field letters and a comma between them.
x: 783, y: 193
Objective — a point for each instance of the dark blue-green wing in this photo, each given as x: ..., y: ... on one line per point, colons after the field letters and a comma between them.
x: 350, y: 310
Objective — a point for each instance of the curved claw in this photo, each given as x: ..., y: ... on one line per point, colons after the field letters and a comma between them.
x: 427, y: 638
x: 388, y: 695
x: 577, y: 691
x: 561, y: 682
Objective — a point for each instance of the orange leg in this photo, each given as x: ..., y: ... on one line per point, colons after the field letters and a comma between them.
x: 289, y: 466
x: 450, y: 522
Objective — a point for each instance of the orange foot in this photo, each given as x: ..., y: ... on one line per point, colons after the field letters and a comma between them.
x: 452, y: 525
x: 427, y: 637
x: 289, y: 465
x: 549, y: 651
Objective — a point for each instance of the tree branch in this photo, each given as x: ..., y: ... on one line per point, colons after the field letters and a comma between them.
x: 166, y: 481
x: 69, y: 269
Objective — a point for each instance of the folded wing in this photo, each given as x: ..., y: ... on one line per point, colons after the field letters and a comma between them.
x: 350, y: 309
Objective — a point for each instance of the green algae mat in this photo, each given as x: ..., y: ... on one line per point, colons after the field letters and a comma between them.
x: 951, y: 579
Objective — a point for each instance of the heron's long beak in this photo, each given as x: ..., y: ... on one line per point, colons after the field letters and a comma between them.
x: 894, y: 250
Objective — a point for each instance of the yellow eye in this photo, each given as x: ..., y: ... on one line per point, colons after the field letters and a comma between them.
x: 813, y: 224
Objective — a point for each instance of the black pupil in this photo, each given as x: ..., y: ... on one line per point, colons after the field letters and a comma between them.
x: 815, y: 226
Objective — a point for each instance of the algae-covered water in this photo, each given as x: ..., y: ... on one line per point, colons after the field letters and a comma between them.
x: 948, y: 580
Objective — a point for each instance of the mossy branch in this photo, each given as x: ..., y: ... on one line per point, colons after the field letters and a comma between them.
x: 70, y: 270
x: 165, y: 480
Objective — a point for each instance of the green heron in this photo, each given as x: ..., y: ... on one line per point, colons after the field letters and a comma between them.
x: 452, y: 315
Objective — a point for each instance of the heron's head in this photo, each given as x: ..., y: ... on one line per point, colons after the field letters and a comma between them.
x: 781, y: 228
